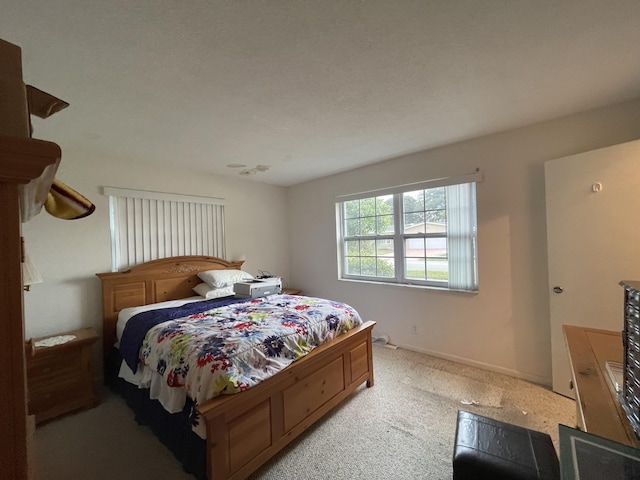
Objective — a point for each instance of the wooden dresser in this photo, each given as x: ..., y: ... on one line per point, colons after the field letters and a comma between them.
x: 60, y: 377
x: 598, y: 409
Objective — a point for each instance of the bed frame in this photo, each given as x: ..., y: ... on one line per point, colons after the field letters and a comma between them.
x: 246, y: 429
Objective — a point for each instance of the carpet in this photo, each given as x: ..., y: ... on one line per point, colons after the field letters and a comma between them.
x: 401, y: 428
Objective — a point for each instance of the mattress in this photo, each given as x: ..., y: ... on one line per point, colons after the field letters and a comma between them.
x: 224, y: 349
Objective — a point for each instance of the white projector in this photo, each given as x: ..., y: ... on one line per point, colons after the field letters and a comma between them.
x: 257, y: 287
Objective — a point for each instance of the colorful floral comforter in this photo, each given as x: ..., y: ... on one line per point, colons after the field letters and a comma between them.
x: 231, y: 348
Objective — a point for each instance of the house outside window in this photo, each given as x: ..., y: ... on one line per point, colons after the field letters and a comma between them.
x: 421, y: 234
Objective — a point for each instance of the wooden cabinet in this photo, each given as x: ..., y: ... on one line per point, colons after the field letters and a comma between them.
x: 598, y: 409
x: 24, y: 163
x: 60, y: 377
x: 27, y: 169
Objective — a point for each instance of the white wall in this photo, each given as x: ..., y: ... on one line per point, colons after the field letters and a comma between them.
x: 68, y: 253
x: 292, y: 232
x: 505, y: 326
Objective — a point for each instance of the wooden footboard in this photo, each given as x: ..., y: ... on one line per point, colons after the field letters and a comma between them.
x: 245, y: 430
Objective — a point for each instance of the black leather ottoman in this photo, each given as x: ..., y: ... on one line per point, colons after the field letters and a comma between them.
x: 487, y: 449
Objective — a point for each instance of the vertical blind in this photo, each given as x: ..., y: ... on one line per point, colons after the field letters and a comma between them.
x: 461, y: 235
x: 150, y: 225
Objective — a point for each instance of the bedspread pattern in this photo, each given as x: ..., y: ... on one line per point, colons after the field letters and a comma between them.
x: 136, y: 330
x: 231, y: 348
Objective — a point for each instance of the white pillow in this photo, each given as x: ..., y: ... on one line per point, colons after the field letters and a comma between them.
x: 204, y: 290
x: 224, y: 278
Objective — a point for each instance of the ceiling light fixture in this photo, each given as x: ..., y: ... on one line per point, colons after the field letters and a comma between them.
x: 254, y: 170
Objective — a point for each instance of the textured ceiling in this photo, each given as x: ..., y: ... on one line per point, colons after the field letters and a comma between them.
x: 314, y: 87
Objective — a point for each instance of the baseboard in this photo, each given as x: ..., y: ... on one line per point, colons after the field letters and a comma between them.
x: 538, y: 380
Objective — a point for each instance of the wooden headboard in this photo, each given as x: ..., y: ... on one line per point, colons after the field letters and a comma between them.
x: 152, y: 282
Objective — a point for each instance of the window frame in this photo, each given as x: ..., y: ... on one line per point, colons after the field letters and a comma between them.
x: 399, y: 237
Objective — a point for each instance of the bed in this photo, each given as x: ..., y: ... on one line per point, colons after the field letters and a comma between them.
x: 243, y: 430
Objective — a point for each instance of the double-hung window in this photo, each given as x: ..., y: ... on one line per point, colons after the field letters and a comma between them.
x: 419, y: 234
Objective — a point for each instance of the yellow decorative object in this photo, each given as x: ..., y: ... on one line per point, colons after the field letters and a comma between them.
x: 64, y: 202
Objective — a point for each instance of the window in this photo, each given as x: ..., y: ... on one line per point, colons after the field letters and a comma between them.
x: 150, y: 225
x: 418, y: 234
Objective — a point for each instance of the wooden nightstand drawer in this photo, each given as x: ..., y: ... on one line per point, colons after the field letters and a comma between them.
x: 60, y: 377
x: 61, y: 364
x: 42, y: 397
x: 55, y: 379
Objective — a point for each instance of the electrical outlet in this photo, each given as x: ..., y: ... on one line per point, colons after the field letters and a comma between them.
x: 414, y: 329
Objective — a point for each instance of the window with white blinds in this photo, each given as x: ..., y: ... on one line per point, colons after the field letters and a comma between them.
x: 150, y: 225
x: 424, y: 234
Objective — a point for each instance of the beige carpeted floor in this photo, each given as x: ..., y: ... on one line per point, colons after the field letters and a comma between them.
x: 402, y: 428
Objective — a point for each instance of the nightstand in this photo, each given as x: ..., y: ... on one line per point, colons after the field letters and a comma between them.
x: 291, y: 291
x: 60, y: 377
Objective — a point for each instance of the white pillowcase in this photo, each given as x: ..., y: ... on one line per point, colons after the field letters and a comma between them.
x: 224, y: 278
x: 204, y: 290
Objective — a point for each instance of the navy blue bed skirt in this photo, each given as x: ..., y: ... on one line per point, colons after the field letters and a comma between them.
x: 173, y: 430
